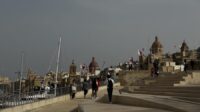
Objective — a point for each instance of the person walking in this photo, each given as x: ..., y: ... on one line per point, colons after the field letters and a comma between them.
x: 156, y: 67
x: 110, y: 83
x: 94, y: 87
x: 152, y: 72
x: 73, y: 89
x: 185, y: 66
x: 85, y: 87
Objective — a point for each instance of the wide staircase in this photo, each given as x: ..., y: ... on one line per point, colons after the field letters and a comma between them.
x: 164, y: 85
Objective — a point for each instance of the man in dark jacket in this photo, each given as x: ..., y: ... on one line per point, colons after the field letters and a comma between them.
x: 94, y: 87
x: 85, y: 87
x: 110, y: 83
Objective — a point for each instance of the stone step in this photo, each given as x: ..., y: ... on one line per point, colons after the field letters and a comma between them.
x: 164, y: 83
x: 170, y: 75
x: 193, y: 95
x: 169, y: 79
x: 168, y: 87
x: 179, y: 76
x: 197, y: 100
x: 161, y: 84
x: 153, y: 84
x: 173, y: 74
x: 166, y: 80
x: 168, y: 90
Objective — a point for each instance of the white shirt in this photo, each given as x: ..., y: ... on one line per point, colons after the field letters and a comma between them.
x: 106, y: 82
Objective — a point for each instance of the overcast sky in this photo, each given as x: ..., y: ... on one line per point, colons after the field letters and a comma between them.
x: 110, y: 30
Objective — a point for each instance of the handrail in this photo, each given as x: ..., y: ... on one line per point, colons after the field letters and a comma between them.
x: 12, y: 100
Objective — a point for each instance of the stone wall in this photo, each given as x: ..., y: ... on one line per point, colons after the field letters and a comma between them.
x: 131, y: 78
x: 192, y: 79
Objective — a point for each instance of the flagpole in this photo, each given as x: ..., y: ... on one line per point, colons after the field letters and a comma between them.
x: 58, y: 59
x: 21, y: 74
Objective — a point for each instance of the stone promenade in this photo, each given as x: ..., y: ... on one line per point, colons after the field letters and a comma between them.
x: 124, y: 102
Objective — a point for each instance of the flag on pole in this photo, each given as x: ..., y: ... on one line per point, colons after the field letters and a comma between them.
x: 140, y: 53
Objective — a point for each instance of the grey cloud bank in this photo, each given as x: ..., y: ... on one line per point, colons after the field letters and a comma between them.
x: 110, y: 30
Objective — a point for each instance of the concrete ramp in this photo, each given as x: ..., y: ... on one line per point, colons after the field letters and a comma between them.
x: 99, y: 107
x: 139, y: 103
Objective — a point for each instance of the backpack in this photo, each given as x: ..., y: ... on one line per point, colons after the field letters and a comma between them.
x: 110, y: 84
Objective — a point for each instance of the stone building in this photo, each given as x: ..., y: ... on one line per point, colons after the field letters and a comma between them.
x: 5, y: 84
x: 156, y: 54
x: 171, y: 62
x: 72, y: 73
x: 72, y: 68
x: 4, y: 80
x: 184, y: 50
x: 31, y: 76
x: 187, y: 55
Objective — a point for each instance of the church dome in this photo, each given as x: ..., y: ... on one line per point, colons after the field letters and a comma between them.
x: 93, y: 66
x: 93, y: 63
x: 156, y: 44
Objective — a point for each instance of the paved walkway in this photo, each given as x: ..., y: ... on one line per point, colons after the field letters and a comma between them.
x: 136, y: 102
x: 170, y: 101
x: 100, y: 107
x: 142, y: 103
x: 58, y: 107
x: 67, y: 106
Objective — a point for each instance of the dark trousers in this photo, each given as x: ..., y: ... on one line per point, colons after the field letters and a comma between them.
x: 110, y: 91
x: 185, y: 68
x: 73, y: 95
x: 85, y: 92
x: 94, y: 92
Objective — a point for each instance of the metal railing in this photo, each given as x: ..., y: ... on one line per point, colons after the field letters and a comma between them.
x: 12, y: 100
